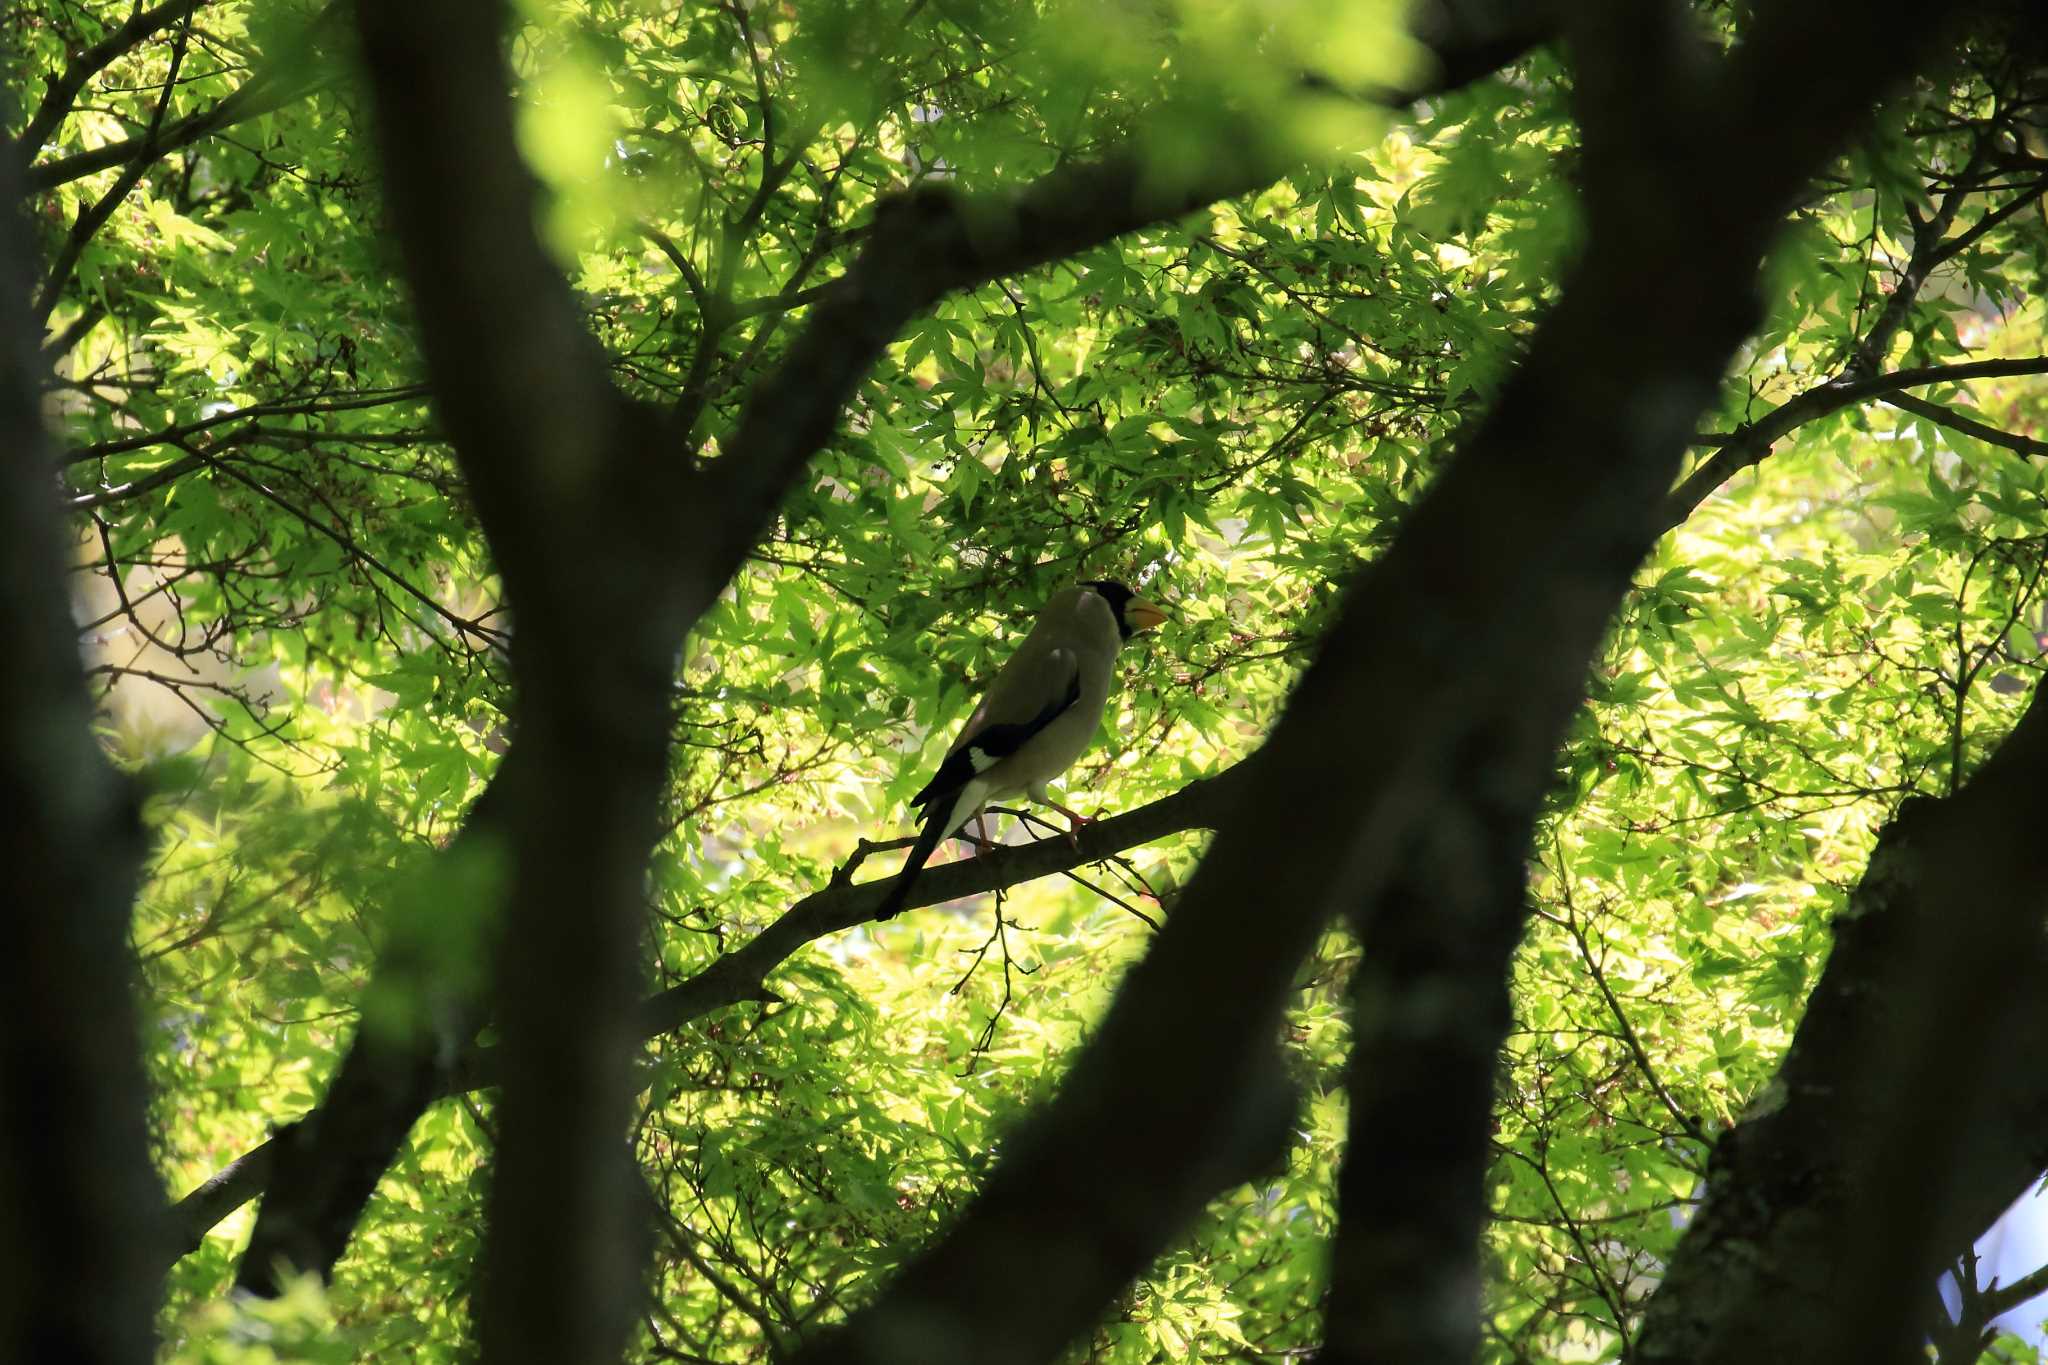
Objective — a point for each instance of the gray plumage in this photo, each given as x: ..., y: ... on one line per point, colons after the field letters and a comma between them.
x: 1040, y: 714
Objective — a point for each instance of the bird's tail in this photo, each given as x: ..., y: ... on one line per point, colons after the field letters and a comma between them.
x: 942, y: 815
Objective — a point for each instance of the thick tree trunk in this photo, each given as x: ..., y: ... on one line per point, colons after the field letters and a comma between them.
x: 79, y: 1204
x: 1912, y: 1107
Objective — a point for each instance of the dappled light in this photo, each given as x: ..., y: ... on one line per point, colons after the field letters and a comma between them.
x: 512, y: 504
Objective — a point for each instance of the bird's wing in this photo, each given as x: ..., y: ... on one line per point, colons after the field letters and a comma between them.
x: 1034, y: 689
x: 1038, y: 716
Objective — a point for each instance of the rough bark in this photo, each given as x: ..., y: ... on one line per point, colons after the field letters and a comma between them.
x: 1912, y: 1107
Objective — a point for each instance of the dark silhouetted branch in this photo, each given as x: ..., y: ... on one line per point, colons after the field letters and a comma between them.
x: 1968, y: 426
x: 62, y: 89
x: 742, y: 974
x: 1806, y: 1248
x: 1421, y: 737
x: 1748, y: 447
x: 78, y: 1236
x: 552, y: 452
x: 273, y: 87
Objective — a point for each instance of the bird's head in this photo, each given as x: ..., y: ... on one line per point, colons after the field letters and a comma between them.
x: 1133, y: 613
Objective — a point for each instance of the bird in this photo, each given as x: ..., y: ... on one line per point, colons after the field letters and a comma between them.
x: 1038, y: 716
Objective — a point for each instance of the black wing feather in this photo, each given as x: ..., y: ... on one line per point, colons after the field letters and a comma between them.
x: 993, y: 744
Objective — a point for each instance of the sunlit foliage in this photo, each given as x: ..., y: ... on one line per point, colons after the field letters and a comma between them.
x: 293, y: 621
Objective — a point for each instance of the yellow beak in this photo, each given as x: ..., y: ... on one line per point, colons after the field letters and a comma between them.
x: 1144, y: 615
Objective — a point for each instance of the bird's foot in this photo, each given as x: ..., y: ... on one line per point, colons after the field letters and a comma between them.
x: 1076, y: 821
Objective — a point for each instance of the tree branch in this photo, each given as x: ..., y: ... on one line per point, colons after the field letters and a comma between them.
x: 742, y: 974
x: 530, y: 409
x: 1799, y: 1254
x: 920, y: 248
x: 91, y: 220
x: 174, y: 435
x: 1752, y: 444
x: 2003, y: 1298
x: 587, y: 517
x: 1968, y: 426
x: 1431, y: 1003
x: 1962, y: 1341
x: 935, y: 241
x: 1859, y: 380
x: 269, y: 89
x: 62, y: 89
x: 81, y: 1201
x: 1425, y: 729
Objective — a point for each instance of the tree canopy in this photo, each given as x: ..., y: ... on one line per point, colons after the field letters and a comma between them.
x: 536, y: 487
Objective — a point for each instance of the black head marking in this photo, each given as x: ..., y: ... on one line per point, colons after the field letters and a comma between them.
x: 1119, y: 597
